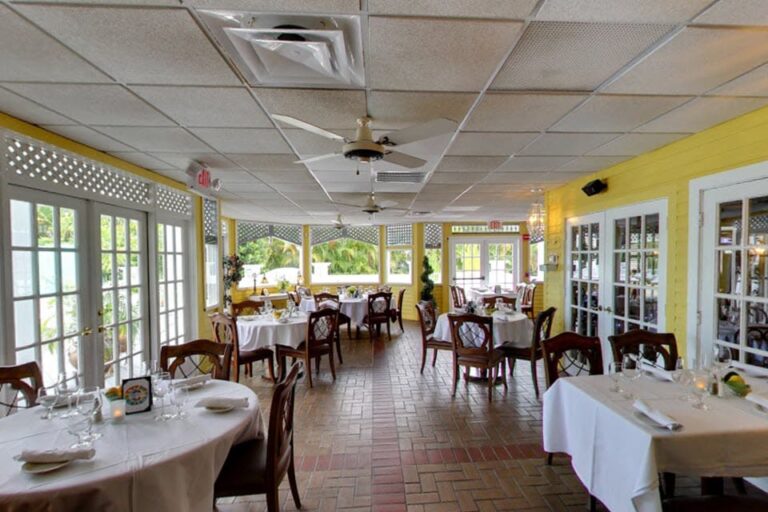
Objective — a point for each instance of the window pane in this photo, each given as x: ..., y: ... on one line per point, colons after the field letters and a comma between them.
x: 106, y: 232
x: 730, y: 223
x: 67, y: 228
x: 270, y: 258
x: 22, y: 273
x: 49, y: 324
x: 68, y: 271
x: 120, y: 233
x: 399, y: 266
x: 71, y: 314
x: 21, y: 223
x: 728, y: 271
x: 435, y: 257
x: 345, y: 261
x: 652, y: 231
x: 24, y: 321
x: 47, y: 272
x: 46, y: 236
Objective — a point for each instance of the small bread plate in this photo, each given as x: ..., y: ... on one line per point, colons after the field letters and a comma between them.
x: 43, y: 467
x: 219, y: 410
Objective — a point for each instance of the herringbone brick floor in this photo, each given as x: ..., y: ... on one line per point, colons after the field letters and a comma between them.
x: 383, y: 437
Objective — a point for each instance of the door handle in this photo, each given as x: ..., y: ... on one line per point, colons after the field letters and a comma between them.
x: 86, y: 331
x: 608, y: 309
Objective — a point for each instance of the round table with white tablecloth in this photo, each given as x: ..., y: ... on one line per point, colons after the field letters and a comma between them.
x: 515, y: 328
x: 354, y: 308
x: 265, y: 332
x: 140, y: 464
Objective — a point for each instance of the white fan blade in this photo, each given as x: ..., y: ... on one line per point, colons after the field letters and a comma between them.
x: 348, y: 205
x: 387, y: 204
x: 418, y: 132
x: 403, y: 160
x: 317, y: 158
x: 298, y: 123
x: 388, y: 208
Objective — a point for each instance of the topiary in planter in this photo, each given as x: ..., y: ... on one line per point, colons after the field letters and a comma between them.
x: 427, y: 285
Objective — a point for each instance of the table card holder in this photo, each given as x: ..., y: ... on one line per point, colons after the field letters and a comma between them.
x: 137, y: 393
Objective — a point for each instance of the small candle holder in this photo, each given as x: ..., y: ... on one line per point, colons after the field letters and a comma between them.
x: 117, y: 410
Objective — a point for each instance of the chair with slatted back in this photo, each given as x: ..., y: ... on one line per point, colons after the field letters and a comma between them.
x: 197, y: 357
x: 514, y: 350
x: 378, y: 314
x: 396, y: 313
x: 321, y: 333
x: 246, y: 307
x: 473, y: 347
x: 19, y: 386
x: 329, y: 300
x: 655, y: 345
x: 458, y: 297
x: 225, y: 331
x: 528, y: 298
x: 259, y: 465
x: 427, y: 322
x: 490, y: 301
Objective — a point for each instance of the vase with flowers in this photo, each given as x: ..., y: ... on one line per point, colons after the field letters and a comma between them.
x: 233, y: 274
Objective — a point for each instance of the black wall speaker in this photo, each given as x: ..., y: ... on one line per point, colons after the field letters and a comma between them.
x: 594, y: 187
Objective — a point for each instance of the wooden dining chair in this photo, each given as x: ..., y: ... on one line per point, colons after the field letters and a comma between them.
x: 198, y: 357
x: 427, y: 322
x: 19, y: 386
x: 396, y: 312
x: 246, y: 307
x: 514, y: 351
x: 321, y: 333
x: 528, y: 298
x: 490, y: 301
x: 655, y: 345
x: 326, y: 300
x: 378, y: 314
x: 472, y: 338
x: 458, y: 297
x: 225, y: 331
x: 259, y: 466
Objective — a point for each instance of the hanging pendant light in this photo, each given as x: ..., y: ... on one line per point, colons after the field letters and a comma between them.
x: 536, y: 222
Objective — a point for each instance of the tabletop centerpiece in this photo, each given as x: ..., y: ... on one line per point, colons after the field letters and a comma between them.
x: 233, y: 274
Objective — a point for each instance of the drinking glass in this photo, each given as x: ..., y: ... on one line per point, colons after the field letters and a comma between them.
x: 88, y: 401
x: 179, y: 398
x: 721, y: 358
x: 47, y: 401
x: 699, y: 386
x: 614, y: 370
x: 66, y: 387
x: 630, y: 369
x: 78, y: 426
x: 161, y: 386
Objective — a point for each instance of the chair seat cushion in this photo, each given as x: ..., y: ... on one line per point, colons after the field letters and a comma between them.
x: 495, y: 358
x: 512, y: 349
x: 344, y: 319
x: 246, y: 356
x: 244, y: 471
x: 316, y: 350
x: 436, y: 343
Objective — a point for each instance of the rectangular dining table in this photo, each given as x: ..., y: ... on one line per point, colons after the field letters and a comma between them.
x: 618, y: 453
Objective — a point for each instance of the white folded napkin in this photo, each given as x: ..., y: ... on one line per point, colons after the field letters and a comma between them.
x: 49, y: 456
x: 656, y: 415
x: 220, y: 402
x: 659, y: 373
x: 328, y: 304
x: 191, y: 381
x: 760, y: 400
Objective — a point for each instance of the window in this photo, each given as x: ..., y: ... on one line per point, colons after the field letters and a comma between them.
x: 433, y: 250
x: 269, y: 251
x: 212, y: 259
x: 171, y: 278
x: 399, y: 253
x: 347, y: 255
x: 535, y: 261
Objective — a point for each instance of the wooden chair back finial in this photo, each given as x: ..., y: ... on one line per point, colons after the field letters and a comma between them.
x: 20, y: 383
x: 280, y: 435
x: 246, y: 307
x: 197, y: 357
x: 472, y: 335
x: 654, y: 344
x: 321, y: 327
x: 570, y: 354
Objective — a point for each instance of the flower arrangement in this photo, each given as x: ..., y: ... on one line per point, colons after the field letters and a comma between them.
x: 351, y: 291
x: 283, y: 284
x: 233, y: 274
x: 113, y: 393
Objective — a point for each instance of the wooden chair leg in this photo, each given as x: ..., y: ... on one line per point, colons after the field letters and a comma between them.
x: 549, y: 459
x: 423, y: 357
x: 237, y: 372
x: 308, y: 369
x: 389, y: 334
x: 273, y: 500
x: 503, y: 374
x: 349, y: 329
x: 592, y: 504
x: 534, y: 377
x: 400, y: 320
x: 338, y: 344
x: 455, y: 376
x: 434, y: 358
x: 333, y: 368
x: 317, y: 365
x: 491, y: 379
x: 512, y: 362
x: 292, y: 482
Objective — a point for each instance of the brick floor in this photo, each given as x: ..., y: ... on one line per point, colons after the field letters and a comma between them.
x: 385, y: 438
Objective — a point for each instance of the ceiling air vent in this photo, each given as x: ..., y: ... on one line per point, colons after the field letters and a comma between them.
x: 400, y: 177
x: 291, y: 50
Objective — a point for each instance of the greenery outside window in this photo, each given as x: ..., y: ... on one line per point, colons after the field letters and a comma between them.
x: 399, y: 253
x: 211, y: 252
x: 271, y: 252
x: 433, y: 250
x: 535, y: 261
x: 347, y: 255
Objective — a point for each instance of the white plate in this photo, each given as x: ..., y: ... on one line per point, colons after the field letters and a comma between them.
x: 192, y: 387
x: 247, y: 318
x: 44, y: 467
x: 219, y: 410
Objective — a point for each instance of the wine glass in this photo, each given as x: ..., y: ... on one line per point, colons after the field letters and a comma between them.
x: 614, y: 370
x: 66, y: 386
x: 88, y: 401
x: 47, y: 401
x: 721, y: 358
x: 699, y: 385
x: 78, y: 426
x: 161, y: 386
x: 179, y: 398
x: 630, y: 369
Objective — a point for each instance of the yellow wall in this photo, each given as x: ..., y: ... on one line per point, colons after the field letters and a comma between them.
x: 663, y: 173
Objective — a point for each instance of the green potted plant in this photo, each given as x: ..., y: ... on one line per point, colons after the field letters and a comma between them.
x: 427, y: 285
x: 233, y: 274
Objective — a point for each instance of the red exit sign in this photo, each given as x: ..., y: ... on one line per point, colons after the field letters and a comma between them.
x: 494, y: 224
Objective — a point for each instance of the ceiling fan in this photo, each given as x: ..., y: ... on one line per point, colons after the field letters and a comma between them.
x: 338, y: 223
x: 370, y: 206
x: 364, y: 149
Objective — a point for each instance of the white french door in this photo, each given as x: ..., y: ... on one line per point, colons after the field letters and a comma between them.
x: 172, y: 275
x: 734, y: 271
x: 487, y: 261
x: 615, y: 262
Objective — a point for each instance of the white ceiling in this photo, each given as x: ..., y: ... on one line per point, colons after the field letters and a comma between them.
x: 544, y: 91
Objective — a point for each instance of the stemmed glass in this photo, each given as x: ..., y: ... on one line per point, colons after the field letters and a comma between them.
x: 700, y: 382
x: 179, y: 398
x: 682, y: 376
x: 721, y: 359
x: 65, y: 391
x: 88, y: 402
x: 631, y: 370
x: 614, y: 370
x: 47, y: 401
x: 161, y: 386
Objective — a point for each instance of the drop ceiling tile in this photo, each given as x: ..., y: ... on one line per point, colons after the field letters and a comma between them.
x: 469, y: 163
x: 342, y: 176
x: 16, y: 106
x: 53, y: 62
x: 591, y: 163
x: 307, y: 143
x: 107, y: 105
x: 329, y: 109
x: 621, y: 11
x: 633, y: 144
x: 266, y: 161
x: 284, y: 176
x: 490, y: 143
x: 243, y: 140
x: 174, y: 174
x: 230, y: 176
x: 735, y: 12
x: 208, y: 107
x: 703, y: 113
x: 147, y: 46
x: 457, y: 178
x: 436, y: 54
x: 394, y: 110
x: 529, y: 179
x: 616, y: 113
x: 573, y: 56
x: 141, y: 159
x: 565, y: 144
x: 534, y: 163
x: 517, y: 9
x: 694, y: 61
x: 754, y: 83
x: 85, y: 135
x: 521, y: 112
x: 329, y: 6
x: 213, y: 161
x: 246, y: 187
x: 155, y: 139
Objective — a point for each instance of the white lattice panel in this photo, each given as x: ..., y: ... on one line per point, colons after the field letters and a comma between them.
x: 174, y: 201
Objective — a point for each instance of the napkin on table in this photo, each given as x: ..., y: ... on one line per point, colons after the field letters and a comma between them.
x: 657, y: 416
x: 220, y: 402
x: 191, y: 381
x: 659, y: 373
x: 760, y: 400
x: 49, y: 456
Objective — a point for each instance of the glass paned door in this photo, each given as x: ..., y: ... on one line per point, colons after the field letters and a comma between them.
x: 122, y: 291
x: 734, y: 266
x: 486, y: 261
x: 502, y: 264
x: 171, y: 277
x: 584, y: 275
x: 467, y: 264
x: 48, y: 297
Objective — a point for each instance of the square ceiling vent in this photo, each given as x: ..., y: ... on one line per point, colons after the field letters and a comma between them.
x: 291, y: 50
x: 400, y: 177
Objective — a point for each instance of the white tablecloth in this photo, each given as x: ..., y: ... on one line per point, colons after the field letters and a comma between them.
x: 618, y: 456
x: 266, y: 332
x: 355, y: 309
x: 516, y: 328
x: 140, y: 464
x: 478, y: 294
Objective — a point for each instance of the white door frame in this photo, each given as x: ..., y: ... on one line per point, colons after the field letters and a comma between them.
x: 696, y: 190
x: 484, y: 241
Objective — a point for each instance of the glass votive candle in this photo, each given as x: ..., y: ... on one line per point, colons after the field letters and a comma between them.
x: 117, y: 410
